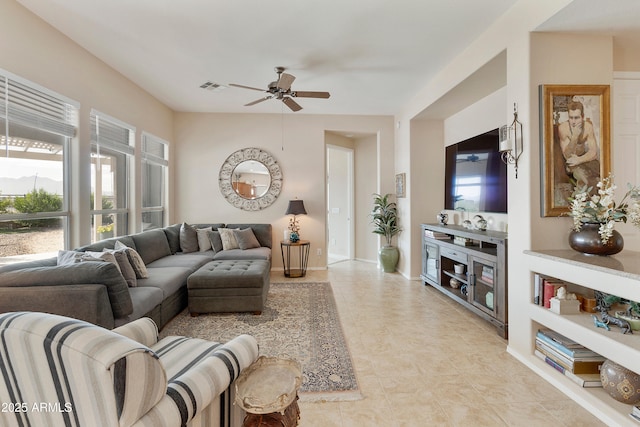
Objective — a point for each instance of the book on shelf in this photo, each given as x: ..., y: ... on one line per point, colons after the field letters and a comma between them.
x: 436, y: 235
x: 537, y: 289
x: 570, y: 348
x: 635, y: 413
x: 462, y: 241
x: 550, y: 288
x: 588, y: 366
x: 487, y: 274
x: 583, y: 380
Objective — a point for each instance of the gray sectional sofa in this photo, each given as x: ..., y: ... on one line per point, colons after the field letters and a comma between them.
x: 97, y: 291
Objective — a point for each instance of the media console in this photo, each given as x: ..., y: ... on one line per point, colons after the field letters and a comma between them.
x: 469, y: 266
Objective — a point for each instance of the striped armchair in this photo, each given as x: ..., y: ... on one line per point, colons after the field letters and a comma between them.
x: 58, y: 371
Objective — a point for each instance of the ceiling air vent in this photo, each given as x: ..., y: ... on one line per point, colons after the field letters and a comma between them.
x: 214, y: 87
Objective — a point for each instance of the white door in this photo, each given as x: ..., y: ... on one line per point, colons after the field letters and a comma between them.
x: 340, y: 231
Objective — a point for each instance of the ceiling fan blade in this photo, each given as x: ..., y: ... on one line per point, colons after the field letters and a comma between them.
x: 285, y: 81
x: 291, y: 104
x: 257, y: 101
x: 246, y: 87
x: 307, y: 94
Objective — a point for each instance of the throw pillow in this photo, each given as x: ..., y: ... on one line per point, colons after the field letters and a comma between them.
x: 228, y: 239
x: 126, y: 269
x: 135, y: 259
x: 73, y: 257
x: 246, y: 239
x: 204, y: 244
x: 216, y: 241
x: 188, y: 238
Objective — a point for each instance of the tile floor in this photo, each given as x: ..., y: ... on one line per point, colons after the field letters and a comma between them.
x: 422, y: 360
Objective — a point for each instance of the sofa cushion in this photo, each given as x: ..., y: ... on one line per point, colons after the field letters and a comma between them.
x: 192, y: 261
x: 152, y: 245
x: 246, y: 239
x: 216, y: 240
x: 168, y: 279
x: 144, y: 300
x: 135, y: 259
x: 173, y: 237
x: 228, y: 239
x: 124, y: 264
x: 261, y: 231
x: 239, y: 254
x: 188, y: 238
x: 99, y: 273
x: 204, y: 243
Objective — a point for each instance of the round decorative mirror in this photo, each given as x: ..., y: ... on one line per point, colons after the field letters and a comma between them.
x: 250, y: 179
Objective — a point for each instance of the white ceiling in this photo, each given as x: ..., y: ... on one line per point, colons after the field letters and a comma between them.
x: 371, y: 55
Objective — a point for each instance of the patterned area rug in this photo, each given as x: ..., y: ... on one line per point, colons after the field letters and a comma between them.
x: 300, y: 322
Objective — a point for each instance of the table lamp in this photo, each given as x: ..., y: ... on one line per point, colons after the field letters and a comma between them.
x: 296, y: 207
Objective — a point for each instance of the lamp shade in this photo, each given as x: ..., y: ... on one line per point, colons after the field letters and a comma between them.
x: 296, y: 207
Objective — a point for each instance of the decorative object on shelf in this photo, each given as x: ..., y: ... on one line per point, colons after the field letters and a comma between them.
x: 463, y: 289
x: 454, y: 283
x: 479, y: 223
x: 234, y: 166
x: 575, y: 141
x: 603, y: 304
x: 385, y: 221
x: 621, y: 383
x: 467, y: 224
x: 442, y: 218
x: 511, y: 141
x: 594, y: 217
x: 630, y: 315
x: 296, y: 207
x: 488, y: 299
x: 458, y: 268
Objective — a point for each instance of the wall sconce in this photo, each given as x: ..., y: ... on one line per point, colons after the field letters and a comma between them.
x: 296, y: 207
x: 511, y: 141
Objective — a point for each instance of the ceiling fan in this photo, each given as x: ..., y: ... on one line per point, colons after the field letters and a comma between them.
x: 281, y: 89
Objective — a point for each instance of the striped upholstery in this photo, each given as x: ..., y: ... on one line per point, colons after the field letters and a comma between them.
x: 79, y: 374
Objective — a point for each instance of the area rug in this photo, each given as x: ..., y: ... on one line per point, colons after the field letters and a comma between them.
x: 301, y: 322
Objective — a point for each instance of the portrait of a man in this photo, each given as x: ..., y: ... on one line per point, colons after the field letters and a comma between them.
x: 576, y: 138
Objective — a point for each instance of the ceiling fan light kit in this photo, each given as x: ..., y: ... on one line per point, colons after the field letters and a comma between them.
x: 281, y: 90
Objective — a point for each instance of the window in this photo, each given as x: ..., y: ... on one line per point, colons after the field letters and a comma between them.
x: 154, y: 181
x: 36, y: 127
x: 111, y: 154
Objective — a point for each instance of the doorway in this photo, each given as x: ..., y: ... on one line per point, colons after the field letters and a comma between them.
x: 340, y: 203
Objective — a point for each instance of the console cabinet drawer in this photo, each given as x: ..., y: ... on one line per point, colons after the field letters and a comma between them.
x: 454, y: 255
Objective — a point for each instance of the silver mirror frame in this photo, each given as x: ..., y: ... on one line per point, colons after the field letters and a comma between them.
x: 226, y: 174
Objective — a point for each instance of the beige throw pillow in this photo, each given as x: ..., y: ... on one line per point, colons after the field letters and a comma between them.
x: 135, y: 259
x: 228, y: 239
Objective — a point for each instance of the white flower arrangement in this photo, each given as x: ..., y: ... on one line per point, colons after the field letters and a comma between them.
x: 601, y: 208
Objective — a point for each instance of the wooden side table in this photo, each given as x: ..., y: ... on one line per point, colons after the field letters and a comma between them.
x: 303, y: 251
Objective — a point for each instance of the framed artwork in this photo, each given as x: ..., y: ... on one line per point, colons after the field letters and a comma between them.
x: 575, y: 142
x: 400, y: 185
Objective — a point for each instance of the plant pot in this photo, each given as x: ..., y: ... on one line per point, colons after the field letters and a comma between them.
x: 587, y: 241
x: 388, y: 257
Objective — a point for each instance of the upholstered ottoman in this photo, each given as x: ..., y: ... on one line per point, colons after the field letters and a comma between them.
x: 226, y: 286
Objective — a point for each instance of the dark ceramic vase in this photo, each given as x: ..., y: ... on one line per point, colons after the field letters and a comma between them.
x: 621, y: 384
x: 587, y: 241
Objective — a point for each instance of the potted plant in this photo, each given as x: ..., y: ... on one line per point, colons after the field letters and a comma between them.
x: 385, y: 221
x: 594, y: 217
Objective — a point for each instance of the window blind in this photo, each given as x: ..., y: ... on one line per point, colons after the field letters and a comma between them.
x: 111, y: 133
x: 154, y: 149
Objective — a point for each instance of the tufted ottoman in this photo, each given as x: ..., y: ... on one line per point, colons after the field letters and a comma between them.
x: 225, y: 286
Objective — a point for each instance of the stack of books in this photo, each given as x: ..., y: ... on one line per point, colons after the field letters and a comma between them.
x: 545, y: 289
x: 436, y: 235
x: 487, y: 274
x: 635, y: 413
x: 462, y: 241
x: 575, y: 361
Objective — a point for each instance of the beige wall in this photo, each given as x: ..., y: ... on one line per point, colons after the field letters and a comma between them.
x: 33, y: 50
x: 366, y: 148
x: 206, y: 140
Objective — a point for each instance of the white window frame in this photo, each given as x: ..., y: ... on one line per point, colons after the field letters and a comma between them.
x: 163, y: 161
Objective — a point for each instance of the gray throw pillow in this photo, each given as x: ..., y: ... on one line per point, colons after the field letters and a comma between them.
x: 188, y: 238
x: 216, y: 241
x: 126, y: 269
x: 204, y: 243
x: 246, y: 239
x: 135, y: 259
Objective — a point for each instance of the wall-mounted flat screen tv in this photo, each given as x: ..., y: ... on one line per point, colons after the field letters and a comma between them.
x: 475, y: 175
